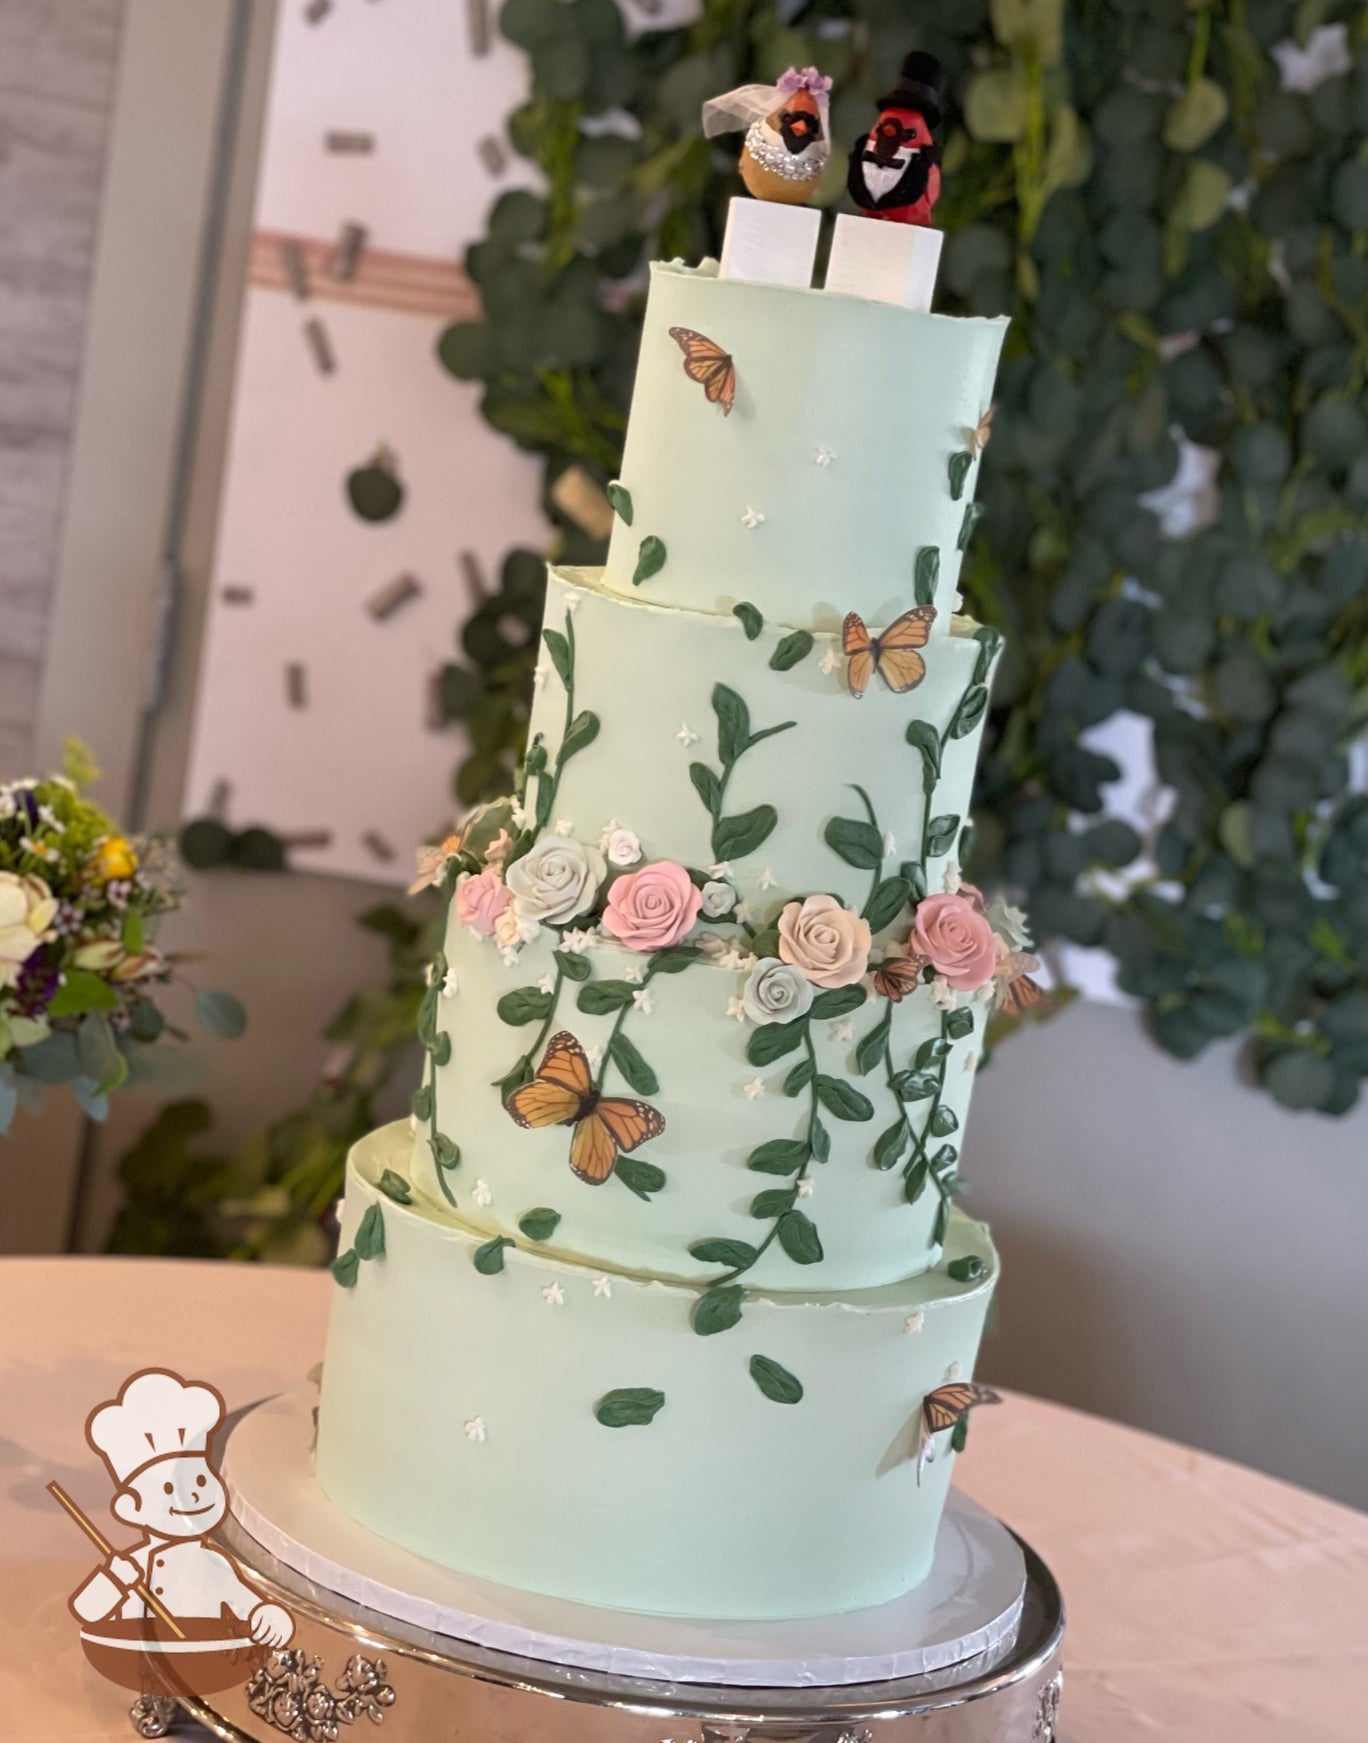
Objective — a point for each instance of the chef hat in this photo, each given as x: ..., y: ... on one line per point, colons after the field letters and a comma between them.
x: 155, y: 1416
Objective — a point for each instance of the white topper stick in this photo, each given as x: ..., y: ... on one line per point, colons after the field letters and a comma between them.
x: 887, y: 262
x: 770, y: 243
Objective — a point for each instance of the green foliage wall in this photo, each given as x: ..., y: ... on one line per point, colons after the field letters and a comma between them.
x: 1183, y: 247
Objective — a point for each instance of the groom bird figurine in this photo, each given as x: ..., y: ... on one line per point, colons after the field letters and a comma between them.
x: 895, y: 167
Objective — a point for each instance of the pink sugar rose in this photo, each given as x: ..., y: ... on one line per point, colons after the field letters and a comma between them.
x: 480, y: 900
x: 954, y: 937
x: 824, y: 941
x: 652, y: 908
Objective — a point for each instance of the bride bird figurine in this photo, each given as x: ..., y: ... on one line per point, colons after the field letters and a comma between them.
x: 788, y: 143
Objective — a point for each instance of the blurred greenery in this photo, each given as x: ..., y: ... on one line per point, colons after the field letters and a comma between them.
x: 1182, y: 244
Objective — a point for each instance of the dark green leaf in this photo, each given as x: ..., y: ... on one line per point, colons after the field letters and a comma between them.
x: 966, y: 1270
x: 959, y: 1435
x: 489, y: 1258
x: 959, y: 1023
x: 773, y: 1040
x: 799, y: 1238
x: 775, y: 1381
x: 751, y: 620
x: 707, y: 786
x: 559, y: 649
x: 990, y: 643
x: 629, y: 1407
x: 674, y: 961
x: 370, y: 1233
x: 914, y: 1182
x: 973, y: 514
x: 887, y: 900
x: 922, y: 736
x: 445, y: 1154
x: 718, y: 1309
x: 525, y: 1004
x: 422, y: 1104
x: 837, y: 1002
x: 633, y: 1067
x: 916, y: 1085
x: 926, y: 574
x: 793, y: 648
x: 779, y: 1156
x: 582, y: 731
x: 220, y: 1014
x: 774, y: 1201
x: 733, y: 724
x: 870, y: 1049
x: 840, y: 1099
x: 942, y: 1223
x: 858, y: 843
x: 650, y: 559
x: 621, y: 499
x: 960, y: 463
x: 931, y: 1052
x: 396, y: 1187
x: 598, y: 997
x: 642, y: 1178
x: 539, y: 1224
x: 820, y: 1141
x: 573, y: 967
x: 734, y: 837
x: 970, y: 711
x: 800, y: 1077
x: 944, y: 1121
x: 719, y: 1250
x: 941, y: 833
x: 345, y: 1268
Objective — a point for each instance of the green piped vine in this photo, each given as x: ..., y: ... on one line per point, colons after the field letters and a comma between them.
x: 743, y: 832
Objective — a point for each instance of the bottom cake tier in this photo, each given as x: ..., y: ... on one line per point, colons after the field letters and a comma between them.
x: 566, y: 1429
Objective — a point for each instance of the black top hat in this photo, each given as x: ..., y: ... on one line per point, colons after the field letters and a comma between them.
x: 918, y: 87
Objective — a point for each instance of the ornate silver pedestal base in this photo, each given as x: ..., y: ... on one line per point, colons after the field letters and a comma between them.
x: 347, y: 1663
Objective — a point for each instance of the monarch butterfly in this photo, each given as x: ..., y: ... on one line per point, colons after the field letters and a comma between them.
x: 946, y: 1407
x: 563, y: 1094
x: 709, y: 365
x: 897, y: 976
x: 892, y: 655
x: 1019, y: 995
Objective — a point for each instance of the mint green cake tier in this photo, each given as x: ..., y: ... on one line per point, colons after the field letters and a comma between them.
x: 458, y: 1419
x: 845, y: 419
x: 714, y: 1122
x: 649, y: 672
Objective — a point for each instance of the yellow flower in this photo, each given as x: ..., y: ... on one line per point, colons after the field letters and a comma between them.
x: 27, y: 910
x: 115, y: 858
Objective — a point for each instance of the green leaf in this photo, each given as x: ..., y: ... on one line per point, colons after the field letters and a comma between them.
x: 959, y: 1023
x: 582, y: 731
x: 573, y: 967
x: 345, y: 1268
x: 396, y: 1187
x: 734, y: 837
x: 989, y: 645
x: 926, y: 573
x: 621, y: 499
x: 942, y: 1223
x: 539, y: 1224
x: 774, y: 1201
x: 944, y: 1159
x: 941, y: 833
x: 559, y: 649
x: 960, y: 463
x: 837, y: 1002
x: 890, y: 1145
x: 944, y: 1121
x: 970, y: 711
x: 708, y: 788
x: 525, y: 1004
x: 445, y: 1154
x: 840, y: 1099
x: 489, y: 1259
x: 916, y: 1085
x: 719, y: 1250
x: 779, y: 1156
x: 775, y: 1381
x: 914, y: 1183
x: 820, y: 1141
x: 422, y: 1104
x: 370, y: 1233
x: 674, y: 961
x: 733, y: 724
x: 793, y: 648
x: 870, y: 1049
x: 922, y: 736
x: 751, y: 620
x: 799, y: 1238
x: 966, y: 1270
x: 650, y: 559
x: 931, y: 1052
x: 629, y: 1407
x: 134, y: 932
x: 635, y: 1070
x: 887, y: 900
x: 858, y: 843
x: 598, y: 997
x: 718, y: 1309
x: 773, y: 1040
x: 973, y: 514
x: 1203, y: 196
x: 959, y: 1435
x: 642, y: 1178
x: 800, y: 1077
x: 220, y: 1014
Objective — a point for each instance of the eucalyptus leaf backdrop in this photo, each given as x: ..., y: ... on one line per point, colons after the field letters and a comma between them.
x: 1180, y: 235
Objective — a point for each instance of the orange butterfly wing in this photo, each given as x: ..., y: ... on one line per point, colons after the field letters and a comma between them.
x: 613, y: 1126
x: 709, y: 365
x: 950, y: 1404
x: 593, y: 1150
x: 895, y: 652
x: 897, y: 977
x: 859, y: 652
x: 1021, y: 995
x: 560, y: 1090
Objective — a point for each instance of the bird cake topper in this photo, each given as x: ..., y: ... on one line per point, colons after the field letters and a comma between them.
x: 787, y: 143
x: 895, y: 167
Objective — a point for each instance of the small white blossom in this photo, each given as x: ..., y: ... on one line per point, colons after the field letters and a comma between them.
x: 736, y: 1008
x: 577, y: 940
x: 603, y: 1288
x: 721, y: 870
x: 734, y: 957
x: 805, y: 1189
x: 766, y: 879
x: 594, y: 1054
x: 751, y: 518
x: 481, y: 1194
x: 547, y: 984
x: 971, y: 1062
x: 642, y: 1001
x: 754, y: 1089
x: 450, y: 984
x: 49, y: 816
x: 475, y: 1430
x: 824, y: 456
x: 952, y: 877
x: 518, y: 813
x: 942, y: 994
x: 509, y: 955
x: 952, y: 1373
x: 889, y: 845
x: 914, y: 1322
x: 562, y: 826
x: 572, y: 601
x: 829, y: 661
x: 718, y: 899
x: 621, y: 845
x: 538, y: 677
x: 842, y: 1030
x: 686, y: 735
x: 744, y: 913
x: 553, y: 1295
x: 633, y: 972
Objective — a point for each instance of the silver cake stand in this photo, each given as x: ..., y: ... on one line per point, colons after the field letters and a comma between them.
x: 350, y: 1666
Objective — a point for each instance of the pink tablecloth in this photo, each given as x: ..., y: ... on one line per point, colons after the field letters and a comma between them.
x: 1207, y: 1604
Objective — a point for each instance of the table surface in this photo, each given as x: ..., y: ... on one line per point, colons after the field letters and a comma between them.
x: 1207, y: 1603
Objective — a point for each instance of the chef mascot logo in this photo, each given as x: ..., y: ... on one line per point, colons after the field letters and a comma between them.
x: 170, y: 1612
x: 895, y: 168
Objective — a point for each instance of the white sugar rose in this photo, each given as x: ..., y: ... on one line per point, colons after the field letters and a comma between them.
x: 557, y: 879
x: 621, y: 846
x: 27, y: 910
x: 718, y: 899
x: 776, y: 992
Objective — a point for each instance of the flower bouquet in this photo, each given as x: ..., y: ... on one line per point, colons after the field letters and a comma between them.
x: 79, y: 966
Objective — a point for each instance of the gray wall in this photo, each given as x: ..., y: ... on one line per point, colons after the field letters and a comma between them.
x: 1178, y: 1251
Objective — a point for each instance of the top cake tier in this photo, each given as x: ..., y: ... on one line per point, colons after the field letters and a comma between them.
x: 836, y: 465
